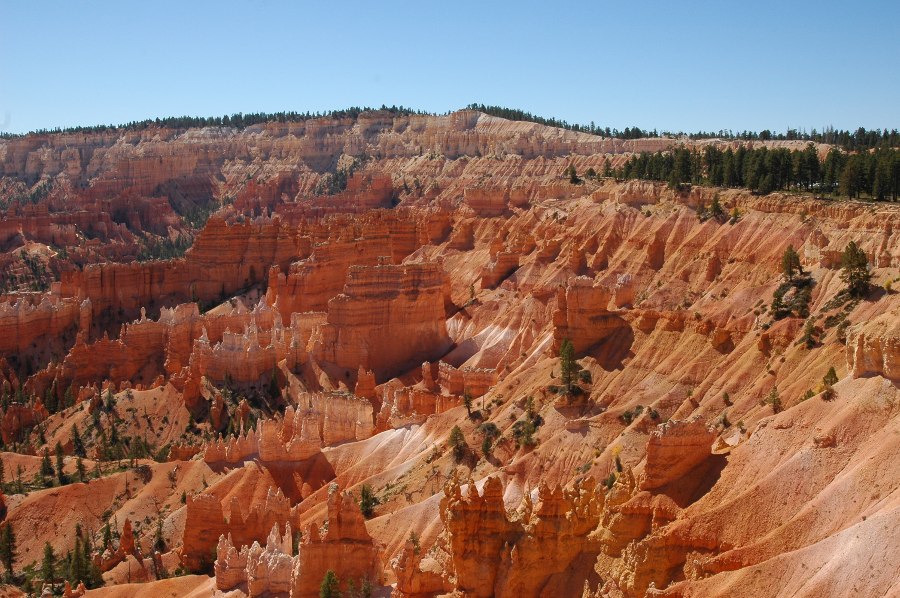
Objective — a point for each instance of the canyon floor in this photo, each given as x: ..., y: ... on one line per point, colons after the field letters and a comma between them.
x: 355, y: 366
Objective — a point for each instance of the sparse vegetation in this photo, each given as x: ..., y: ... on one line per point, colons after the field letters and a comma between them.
x: 367, y: 501
x: 329, y: 586
x: 457, y: 441
x: 855, y: 270
x: 773, y: 400
x: 629, y: 415
x: 489, y: 432
x: 790, y: 263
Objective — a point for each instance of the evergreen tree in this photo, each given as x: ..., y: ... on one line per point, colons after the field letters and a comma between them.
x: 48, y: 564
x: 457, y: 443
x: 367, y: 501
x: 486, y: 446
x: 50, y: 401
x: 79, y: 467
x: 46, y: 465
x: 109, y: 401
x: 809, y: 334
x: 774, y: 400
x: 107, y: 536
x: 467, y: 401
x: 273, y: 391
x: 159, y: 543
x: 715, y: 208
x: 790, y: 263
x: 60, y: 464
x: 490, y: 432
x: 76, y: 563
x: 77, y: 443
x: 830, y: 378
x: 849, y: 181
x: 8, y: 548
x: 329, y: 586
x: 855, y: 270
x: 568, y: 367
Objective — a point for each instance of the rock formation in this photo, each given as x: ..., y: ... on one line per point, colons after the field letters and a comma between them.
x: 337, y: 290
x: 341, y: 544
x: 408, y: 299
x: 320, y: 420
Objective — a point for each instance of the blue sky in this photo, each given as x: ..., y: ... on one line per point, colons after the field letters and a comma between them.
x: 655, y: 64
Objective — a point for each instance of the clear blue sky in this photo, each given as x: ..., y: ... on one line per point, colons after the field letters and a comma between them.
x: 673, y: 65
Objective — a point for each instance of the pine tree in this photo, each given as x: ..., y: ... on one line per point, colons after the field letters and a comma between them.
x: 77, y: 443
x: 76, y: 563
x: 367, y: 501
x: 774, y: 400
x: 109, y: 401
x: 790, y: 263
x: 329, y: 586
x: 60, y: 464
x: 79, y: 467
x: 809, y: 334
x: 20, y: 488
x: 486, y: 446
x: 831, y: 378
x: 715, y: 208
x: 568, y: 367
x: 490, y: 432
x: 159, y: 543
x: 855, y: 270
x: 50, y: 401
x: 8, y: 548
x: 48, y: 564
x: 46, y: 465
x: 107, y: 536
x: 457, y: 443
x: 273, y: 391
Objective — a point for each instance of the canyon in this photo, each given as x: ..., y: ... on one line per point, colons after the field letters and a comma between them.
x: 367, y: 379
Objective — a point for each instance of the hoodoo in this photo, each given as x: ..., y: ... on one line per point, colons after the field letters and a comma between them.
x: 388, y: 353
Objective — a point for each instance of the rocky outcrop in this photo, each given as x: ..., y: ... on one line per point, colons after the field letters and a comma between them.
x: 341, y: 544
x: 466, y: 380
x: 17, y: 417
x: 110, y: 558
x: 492, y: 554
x: 873, y: 348
x: 226, y: 256
x: 264, y: 570
x: 673, y: 449
x: 667, y: 313
x: 23, y: 324
x: 582, y: 315
x: 408, y: 299
x: 320, y: 419
x: 205, y: 521
x: 501, y: 265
